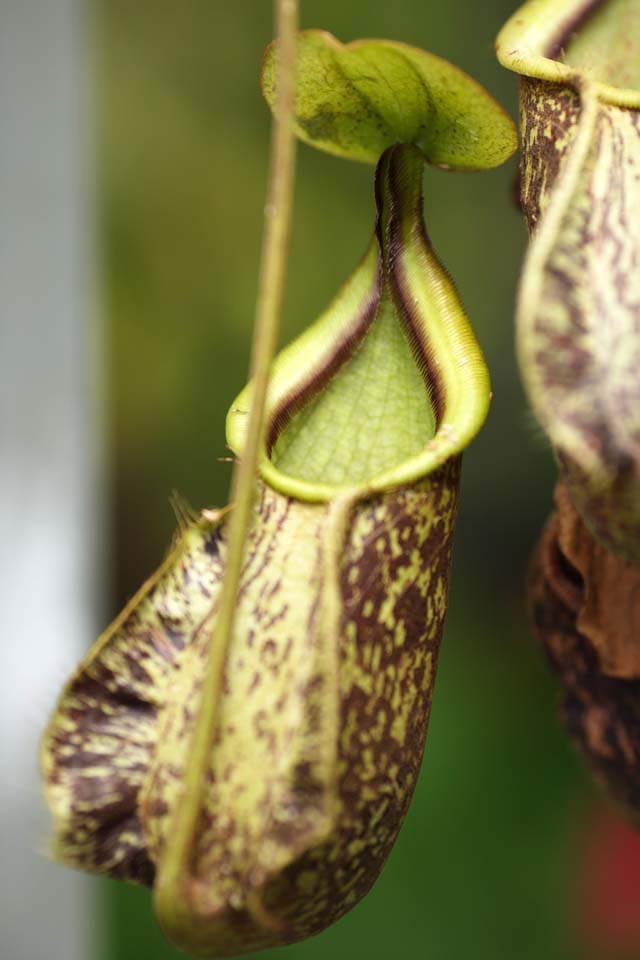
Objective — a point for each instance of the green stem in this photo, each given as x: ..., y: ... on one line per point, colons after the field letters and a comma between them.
x: 174, y: 872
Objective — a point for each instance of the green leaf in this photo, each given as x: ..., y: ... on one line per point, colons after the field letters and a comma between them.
x: 354, y: 100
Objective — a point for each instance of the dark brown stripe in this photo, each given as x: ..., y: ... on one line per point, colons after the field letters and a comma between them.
x: 579, y: 18
x: 420, y: 345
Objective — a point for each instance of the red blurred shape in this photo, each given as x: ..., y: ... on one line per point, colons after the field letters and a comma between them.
x: 611, y: 908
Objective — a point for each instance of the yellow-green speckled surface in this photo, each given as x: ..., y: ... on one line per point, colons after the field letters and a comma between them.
x: 320, y: 737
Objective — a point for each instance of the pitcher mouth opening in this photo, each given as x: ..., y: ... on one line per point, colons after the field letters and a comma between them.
x: 389, y: 382
x: 555, y: 40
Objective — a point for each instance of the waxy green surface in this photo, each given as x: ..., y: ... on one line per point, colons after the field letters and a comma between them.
x: 579, y: 302
x: 605, y: 47
x: 380, y: 392
x: 357, y: 99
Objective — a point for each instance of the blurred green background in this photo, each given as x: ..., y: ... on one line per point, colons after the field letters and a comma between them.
x: 488, y: 864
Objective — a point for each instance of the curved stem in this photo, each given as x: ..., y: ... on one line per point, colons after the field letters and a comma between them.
x: 172, y: 886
